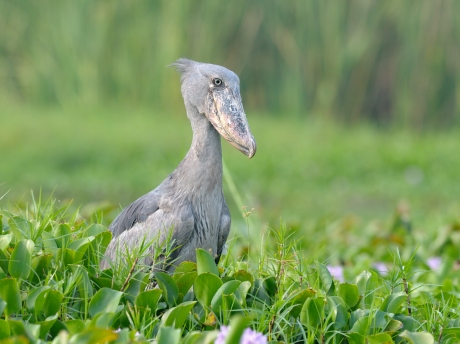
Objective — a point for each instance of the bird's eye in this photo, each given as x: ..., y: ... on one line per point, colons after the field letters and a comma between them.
x: 217, y: 82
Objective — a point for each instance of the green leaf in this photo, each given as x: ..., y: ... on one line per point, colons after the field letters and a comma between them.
x: 168, y: 286
x: 185, y: 281
x: 362, y: 325
x: 393, y: 302
x: 20, y: 228
x: 105, y: 300
x: 372, y: 284
x: 169, y: 335
x: 2, y: 306
x: 40, y: 267
x: 409, y: 323
x: 74, y: 326
x: 243, y: 275
x: 33, y: 295
x: 227, y: 288
x: 148, y: 299
x: 348, y: 293
x: 5, y: 240
x: 50, y: 244
x: 325, y: 277
x: 92, y: 336
x: 137, y: 283
x: 381, y: 338
x: 205, y: 287
x: 299, y: 299
x: 205, y: 262
x: 46, y: 325
x: 48, y: 303
x: 312, y: 313
x: 9, y: 292
x: 176, y: 316
x: 338, y: 311
x: 183, y: 268
x: 237, y: 326
x: 5, y: 331
x: 4, y: 262
x: 62, y: 234
x: 21, y: 259
x: 80, y: 246
x: 417, y: 338
x: 29, y: 331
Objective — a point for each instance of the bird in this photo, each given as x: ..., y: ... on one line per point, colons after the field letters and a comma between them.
x: 189, y: 205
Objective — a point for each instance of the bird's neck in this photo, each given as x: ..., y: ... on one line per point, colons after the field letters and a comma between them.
x: 202, y: 166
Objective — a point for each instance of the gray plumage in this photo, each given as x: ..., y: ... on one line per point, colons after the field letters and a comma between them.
x: 190, y: 202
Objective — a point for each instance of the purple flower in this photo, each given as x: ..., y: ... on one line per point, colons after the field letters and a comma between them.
x: 249, y: 336
x: 434, y: 263
x: 336, y: 272
x: 381, y: 268
x: 252, y: 337
x: 222, y: 334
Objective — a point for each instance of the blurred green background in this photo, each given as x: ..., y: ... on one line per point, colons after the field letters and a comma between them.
x: 354, y: 104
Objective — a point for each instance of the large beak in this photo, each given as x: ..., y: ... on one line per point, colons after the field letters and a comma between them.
x: 226, y: 114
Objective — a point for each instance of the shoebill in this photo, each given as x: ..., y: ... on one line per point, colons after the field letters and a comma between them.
x: 189, y: 204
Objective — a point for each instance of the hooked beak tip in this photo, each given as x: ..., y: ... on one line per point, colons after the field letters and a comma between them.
x: 252, y: 150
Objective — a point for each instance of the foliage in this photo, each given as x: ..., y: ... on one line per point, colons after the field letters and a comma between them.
x: 58, y: 294
x: 388, y: 61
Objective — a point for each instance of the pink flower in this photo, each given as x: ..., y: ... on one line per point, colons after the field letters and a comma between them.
x: 434, y: 263
x: 252, y: 337
x: 381, y: 268
x: 249, y: 336
x: 336, y: 272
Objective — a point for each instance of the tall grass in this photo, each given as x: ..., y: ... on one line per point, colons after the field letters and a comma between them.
x: 385, y: 61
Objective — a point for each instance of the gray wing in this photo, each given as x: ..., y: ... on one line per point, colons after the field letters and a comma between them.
x: 225, y: 224
x: 136, y: 212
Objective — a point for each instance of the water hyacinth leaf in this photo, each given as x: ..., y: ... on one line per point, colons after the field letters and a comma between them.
x: 338, y: 311
x: 50, y: 244
x: 62, y: 235
x: 372, y: 284
x: 33, y: 295
x: 103, y: 320
x: 5, y: 240
x: 417, y: 338
x: 243, y: 275
x: 80, y: 274
x: 136, y: 284
x: 300, y: 299
x: 348, y: 293
x: 169, y: 335
x: 4, y: 260
x: 48, y: 303
x: 260, y: 293
x: 195, y: 337
x: 21, y: 259
x: 393, y: 326
x: 312, y: 312
x: 148, y: 299
x: 270, y: 285
x: 242, y: 292
x: 227, y: 288
x: 205, y: 287
x: 2, y: 306
x: 5, y: 331
x: 410, y: 323
x: 20, y: 228
x: 176, y: 316
x: 205, y: 262
x: 361, y: 281
x: 380, y: 338
x: 95, y: 229
x: 92, y: 336
x: 238, y: 324
x: 9, y: 292
x: 393, y: 302
x: 74, y: 326
x: 183, y: 268
x: 325, y: 278
x: 40, y: 267
x: 45, y: 326
x: 80, y: 246
x: 18, y: 328
x: 185, y: 281
x: 105, y: 300
x: 362, y: 325
x: 168, y: 286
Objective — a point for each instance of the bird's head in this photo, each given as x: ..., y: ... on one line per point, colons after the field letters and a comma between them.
x: 215, y: 92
